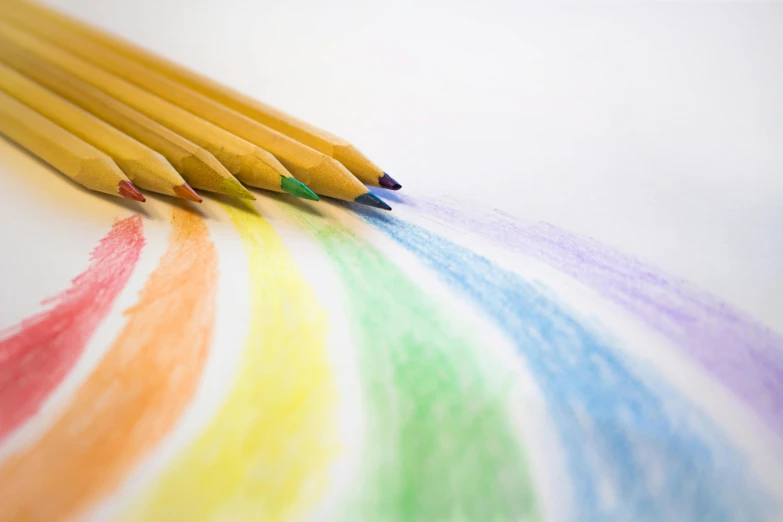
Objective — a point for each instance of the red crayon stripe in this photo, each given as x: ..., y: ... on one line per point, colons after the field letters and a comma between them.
x: 134, y: 395
x: 36, y: 354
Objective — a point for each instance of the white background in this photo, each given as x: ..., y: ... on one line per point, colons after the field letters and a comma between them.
x: 655, y: 128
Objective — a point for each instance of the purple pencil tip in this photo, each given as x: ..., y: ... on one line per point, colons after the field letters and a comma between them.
x: 388, y: 182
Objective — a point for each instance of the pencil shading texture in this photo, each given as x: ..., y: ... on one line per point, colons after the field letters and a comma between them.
x: 439, y: 445
x: 134, y: 395
x: 614, y: 427
x: 742, y: 353
x: 37, y: 353
x: 266, y: 454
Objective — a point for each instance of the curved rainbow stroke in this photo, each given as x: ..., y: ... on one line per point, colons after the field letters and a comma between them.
x: 36, y: 354
x: 266, y: 454
x: 134, y: 395
x: 742, y: 353
x: 631, y: 448
x: 439, y: 443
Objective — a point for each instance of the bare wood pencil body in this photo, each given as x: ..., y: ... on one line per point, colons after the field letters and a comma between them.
x: 318, y: 139
x: 78, y: 160
x: 145, y: 168
x: 247, y: 162
x: 199, y: 168
x: 322, y: 174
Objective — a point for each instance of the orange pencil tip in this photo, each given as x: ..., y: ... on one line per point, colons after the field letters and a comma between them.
x: 184, y: 191
x: 128, y: 190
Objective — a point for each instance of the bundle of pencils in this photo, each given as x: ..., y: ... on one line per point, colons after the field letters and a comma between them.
x: 114, y: 117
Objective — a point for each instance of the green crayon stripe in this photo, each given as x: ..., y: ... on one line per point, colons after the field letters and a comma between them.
x: 439, y: 444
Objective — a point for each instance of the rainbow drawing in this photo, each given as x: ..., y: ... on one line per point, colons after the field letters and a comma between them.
x: 439, y: 434
x: 431, y: 408
x: 612, y: 424
x: 743, y: 354
x: 279, y: 416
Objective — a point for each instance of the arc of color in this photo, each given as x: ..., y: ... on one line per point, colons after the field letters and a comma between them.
x: 37, y: 354
x: 628, y: 458
x: 742, y: 353
x: 266, y: 454
x: 133, y: 396
x: 439, y: 441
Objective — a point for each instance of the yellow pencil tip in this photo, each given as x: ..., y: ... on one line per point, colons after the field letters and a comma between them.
x: 232, y: 187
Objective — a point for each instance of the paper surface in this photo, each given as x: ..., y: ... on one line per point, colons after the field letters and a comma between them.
x: 573, y: 312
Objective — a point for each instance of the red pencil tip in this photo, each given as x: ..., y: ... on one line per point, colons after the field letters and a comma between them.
x: 184, y: 191
x: 127, y: 190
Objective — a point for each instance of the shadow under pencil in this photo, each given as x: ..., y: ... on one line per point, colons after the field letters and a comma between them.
x: 127, y: 204
x: 177, y: 202
x: 298, y: 203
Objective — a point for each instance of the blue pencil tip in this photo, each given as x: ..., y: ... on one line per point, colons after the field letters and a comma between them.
x: 372, y: 200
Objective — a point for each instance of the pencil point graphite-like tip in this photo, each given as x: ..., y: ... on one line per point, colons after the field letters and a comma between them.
x: 234, y: 188
x: 184, y: 191
x: 128, y: 190
x: 297, y: 188
x: 388, y: 182
x: 371, y: 200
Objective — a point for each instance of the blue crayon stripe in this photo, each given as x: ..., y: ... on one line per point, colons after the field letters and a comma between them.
x: 628, y: 458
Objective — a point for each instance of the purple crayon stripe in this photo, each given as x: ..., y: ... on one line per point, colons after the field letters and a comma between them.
x: 744, y: 355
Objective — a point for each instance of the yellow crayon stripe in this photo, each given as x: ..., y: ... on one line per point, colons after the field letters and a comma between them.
x: 266, y: 454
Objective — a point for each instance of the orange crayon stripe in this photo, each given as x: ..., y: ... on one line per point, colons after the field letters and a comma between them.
x: 268, y: 452
x: 135, y: 394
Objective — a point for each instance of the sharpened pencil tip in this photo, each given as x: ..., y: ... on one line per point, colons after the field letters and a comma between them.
x: 371, y: 200
x: 128, y: 190
x: 232, y: 187
x: 388, y: 182
x: 184, y: 191
x: 297, y: 188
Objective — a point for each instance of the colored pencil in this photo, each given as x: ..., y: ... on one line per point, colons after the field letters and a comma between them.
x: 199, y: 168
x: 318, y: 139
x: 249, y: 163
x: 324, y: 175
x: 143, y: 166
x: 78, y: 160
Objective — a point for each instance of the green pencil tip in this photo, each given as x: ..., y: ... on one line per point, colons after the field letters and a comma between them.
x: 372, y: 200
x: 234, y: 188
x: 297, y: 188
